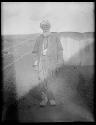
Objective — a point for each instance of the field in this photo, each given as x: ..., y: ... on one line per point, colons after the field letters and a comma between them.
x: 73, y: 84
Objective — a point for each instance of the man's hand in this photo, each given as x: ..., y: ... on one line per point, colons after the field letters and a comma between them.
x: 35, y: 66
x: 36, y: 63
x: 59, y: 65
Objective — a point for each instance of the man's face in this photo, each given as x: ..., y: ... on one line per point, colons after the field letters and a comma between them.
x: 45, y: 28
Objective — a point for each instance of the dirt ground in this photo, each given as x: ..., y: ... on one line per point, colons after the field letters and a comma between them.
x: 72, y: 87
x: 74, y: 101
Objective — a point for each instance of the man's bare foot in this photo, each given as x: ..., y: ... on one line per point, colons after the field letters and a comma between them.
x: 44, y: 100
x: 43, y: 103
x: 52, y: 102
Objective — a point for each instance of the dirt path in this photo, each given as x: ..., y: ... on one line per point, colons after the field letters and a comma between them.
x: 59, y: 113
x: 26, y: 80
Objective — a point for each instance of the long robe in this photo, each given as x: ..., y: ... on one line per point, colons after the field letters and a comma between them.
x: 54, y: 55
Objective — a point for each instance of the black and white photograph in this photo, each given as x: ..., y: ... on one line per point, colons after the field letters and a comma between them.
x: 48, y: 61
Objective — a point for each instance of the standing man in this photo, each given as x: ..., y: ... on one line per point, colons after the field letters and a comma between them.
x: 48, y: 54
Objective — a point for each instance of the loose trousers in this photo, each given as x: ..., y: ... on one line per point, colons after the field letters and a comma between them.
x: 45, y: 73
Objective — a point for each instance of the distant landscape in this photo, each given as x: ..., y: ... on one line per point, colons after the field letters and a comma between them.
x: 17, y: 45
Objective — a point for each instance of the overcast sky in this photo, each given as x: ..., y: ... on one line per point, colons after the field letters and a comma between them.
x: 25, y: 17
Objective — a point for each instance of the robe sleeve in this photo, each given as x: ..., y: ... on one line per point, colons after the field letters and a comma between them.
x: 59, y: 52
x: 36, y: 47
x: 36, y: 51
x: 59, y: 45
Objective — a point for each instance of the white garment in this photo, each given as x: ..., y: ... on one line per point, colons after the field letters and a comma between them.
x: 44, y: 51
x: 45, y: 47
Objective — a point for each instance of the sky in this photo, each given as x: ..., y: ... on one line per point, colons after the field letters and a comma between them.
x: 25, y: 17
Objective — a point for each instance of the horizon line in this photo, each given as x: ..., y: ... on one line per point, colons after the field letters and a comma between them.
x: 41, y: 33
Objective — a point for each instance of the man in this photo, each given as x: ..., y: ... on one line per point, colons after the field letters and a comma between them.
x: 48, y: 53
